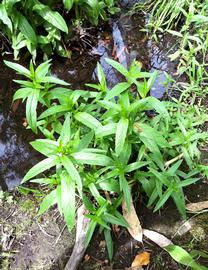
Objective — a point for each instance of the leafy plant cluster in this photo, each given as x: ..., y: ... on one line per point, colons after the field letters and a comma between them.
x: 35, y: 24
x: 187, y: 21
x: 102, y: 147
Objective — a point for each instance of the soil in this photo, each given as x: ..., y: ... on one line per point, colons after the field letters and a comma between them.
x: 31, y: 242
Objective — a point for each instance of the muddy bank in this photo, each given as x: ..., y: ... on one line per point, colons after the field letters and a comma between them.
x: 29, y: 241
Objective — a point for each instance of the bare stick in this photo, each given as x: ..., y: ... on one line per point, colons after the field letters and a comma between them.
x: 168, y: 163
x: 79, y: 247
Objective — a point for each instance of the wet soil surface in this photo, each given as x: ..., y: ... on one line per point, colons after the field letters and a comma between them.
x: 31, y: 243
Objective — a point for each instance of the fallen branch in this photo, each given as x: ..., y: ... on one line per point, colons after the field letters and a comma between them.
x: 79, y: 247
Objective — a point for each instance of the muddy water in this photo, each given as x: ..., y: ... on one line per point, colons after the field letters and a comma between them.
x: 121, y: 40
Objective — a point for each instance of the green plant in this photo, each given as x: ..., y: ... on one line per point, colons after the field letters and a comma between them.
x: 101, y: 144
x: 187, y: 21
x: 39, y: 25
x: 34, y: 91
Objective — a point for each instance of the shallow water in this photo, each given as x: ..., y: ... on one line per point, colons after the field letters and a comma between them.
x: 16, y: 155
x: 120, y: 40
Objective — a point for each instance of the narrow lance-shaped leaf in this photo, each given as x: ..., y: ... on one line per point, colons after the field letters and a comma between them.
x: 4, y: 17
x: 31, y: 113
x: 65, y: 135
x: 106, y: 130
x: 68, y: 200
x: 72, y: 171
x: 109, y: 243
x: 42, y: 70
x: 92, y: 158
x: 25, y: 28
x: 101, y: 77
x: 121, y: 133
x: 126, y: 190
x: 88, y: 120
x: 180, y: 255
x: 117, y: 66
x: 163, y: 199
x: 53, y: 17
x: 47, y: 202
x: 54, y: 110
x: 18, y: 68
x: 45, y: 146
x: 51, y: 79
x: 68, y: 4
x: 117, y: 90
x: 22, y: 93
x: 42, y: 166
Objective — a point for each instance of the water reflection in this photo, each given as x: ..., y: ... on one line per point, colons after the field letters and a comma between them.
x: 16, y: 155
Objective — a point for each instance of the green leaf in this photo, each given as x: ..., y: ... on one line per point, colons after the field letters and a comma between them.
x: 4, y: 17
x: 43, y: 181
x: 85, y: 141
x: 40, y: 167
x: 31, y: 110
x: 109, y: 243
x: 88, y: 120
x: 85, y: 157
x: 115, y: 220
x: 54, y: 80
x: 26, y: 29
x: 181, y: 256
x: 18, y: 68
x: 152, y: 134
x: 22, y: 93
x: 163, y: 199
x: 96, y: 194
x: 125, y: 188
x: 42, y: 70
x: 68, y: 200
x: 90, y: 232
x: 53, y: 17
x: 54, y: 110
x: 72, y: 171
x: 45, y: 146
x: 106, y: 130
x: 109, y: 105
x: 109, y: 185
x: 135, y: 166
x: 47, y: 202
x: 101, y: 77
x: 158, y: 105
x: 121, y: 133
x: 117, y: 66
x: 117, y: 90
x: 65, y: 135
x: 68, y: 4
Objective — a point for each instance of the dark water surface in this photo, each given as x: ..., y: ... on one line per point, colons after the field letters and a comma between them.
x: 121, y: 40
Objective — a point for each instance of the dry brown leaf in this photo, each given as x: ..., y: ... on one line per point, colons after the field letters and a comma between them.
x: 157, y: 238
x: 141, y: 259
x: 196, y: 207
x: 86, y: 258
x: 131, y: 217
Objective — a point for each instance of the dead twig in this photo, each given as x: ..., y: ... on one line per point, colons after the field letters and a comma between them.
x: 168, y: 163
x: 79, y: 247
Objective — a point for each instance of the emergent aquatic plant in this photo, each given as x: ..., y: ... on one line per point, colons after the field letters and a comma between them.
x: 102, y: 146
